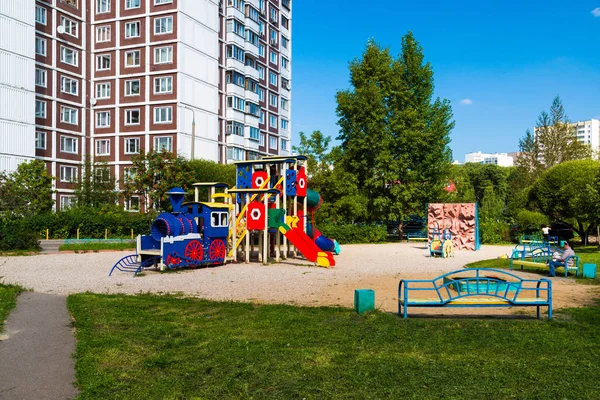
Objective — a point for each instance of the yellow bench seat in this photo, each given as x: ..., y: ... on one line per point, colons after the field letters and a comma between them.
x: 474, y: 301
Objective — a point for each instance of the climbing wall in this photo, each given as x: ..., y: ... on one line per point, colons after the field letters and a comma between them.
x: 460, y: 218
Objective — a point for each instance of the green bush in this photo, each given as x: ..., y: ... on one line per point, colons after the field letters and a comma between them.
x: 92, y: 222
x: 494, y: 231
x: 16, y: 234
x: 530, y: 221
x: 350, y: 233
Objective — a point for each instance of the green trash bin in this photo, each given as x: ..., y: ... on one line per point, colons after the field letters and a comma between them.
x: 562, y: 243
x: 364, y: 300
x: 589, y: 271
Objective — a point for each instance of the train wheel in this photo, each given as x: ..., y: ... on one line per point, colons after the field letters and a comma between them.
x: 217, y: 250
x: 194, y: 250
x: 172, y: 261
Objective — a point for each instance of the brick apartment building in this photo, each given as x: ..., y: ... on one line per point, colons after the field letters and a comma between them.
x: 113, y: 78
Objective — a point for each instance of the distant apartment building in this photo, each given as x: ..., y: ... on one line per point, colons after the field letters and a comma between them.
x: 501, y: 159
x: 200, y: 78
x: 17, y: 92
x: 589, y: 132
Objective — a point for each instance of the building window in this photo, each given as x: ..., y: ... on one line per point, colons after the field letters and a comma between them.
x: 40, y: 77
x: 163, y: 85
x: 285, y: 22
x: 273, y: 78
x: 132, y: 59
x: 103, y: 34
x: 284, y: 144
x: 261, y: 94
x: 235, y: 77
x: 235, y: 153
x: 103, y: 62
x: 68, y: 56
x: 163, y: 25
x: 40, y: 109
x: 253, y: 14
x: 68, y: 145
x: 132, y: 87
x: 254, y: 133
x: 273, y: 14
x: 132, y: 146
x: 235, y: 128
x: 68, y: 85
x: 163, y: 55
x: 67, y: 202
x: 252, y: 108
x: 68, y: 174
x: 219, y: 219
x: 132, y: 29
x: 159, y: 2
x: 262, y: 139
x: 273, y: 100
x: 132, y: 204
x: 163, y: 115
x: 72, y: 3
x: 285, y: 63
x: 272, y: 142
x: 103, y: 147
x: 261, y: 118
x: 102, y: 175
x: 102, y: 6
x: 261, y: 72
x: 235, y: 52
x: 236, y: 103
x: 235, y: 26
x: 132, y: 117
x: 129, y: 4
x: 284, y: 104
x: 71, y: 27
x: 273, y: 121
x: 68, y: 115
x: 261, y: 50
x: 252, y: 37
x: 40, y: 46
x: 40, y: 140
x: 163, y: 143
x: 40, y: 15
x: 129, y: 174
x: 284, y: 42
x: 273, y: 57
x: 273, y: 37
x: 103, y: 119
x: 103, y: 90
x: 284, y: 124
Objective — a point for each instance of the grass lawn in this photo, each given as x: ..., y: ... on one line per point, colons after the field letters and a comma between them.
x: 8, y: 296
x: 97, y: 246
x: 587, y: 255
x: 165, y: 347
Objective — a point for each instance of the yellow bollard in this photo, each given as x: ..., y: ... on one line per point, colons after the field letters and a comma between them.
x: 105, y: 234
x: 47, y: 234
x: 131, y: 233
x: 77, y: 233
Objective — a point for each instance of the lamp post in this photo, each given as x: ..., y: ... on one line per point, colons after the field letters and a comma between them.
x: 193, y: 148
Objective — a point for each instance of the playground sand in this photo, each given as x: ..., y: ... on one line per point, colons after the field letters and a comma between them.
x: 293, y: 281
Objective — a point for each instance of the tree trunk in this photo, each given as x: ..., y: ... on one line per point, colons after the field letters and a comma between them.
x: 582, y: 233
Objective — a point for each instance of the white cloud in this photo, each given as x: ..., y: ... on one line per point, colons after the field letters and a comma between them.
x: 596, y: 12
x: 466, y: 102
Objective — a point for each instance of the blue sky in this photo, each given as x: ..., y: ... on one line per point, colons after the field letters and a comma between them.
x: 506, y: 59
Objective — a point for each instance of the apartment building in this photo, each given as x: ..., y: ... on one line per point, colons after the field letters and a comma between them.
x: 501, y: 159
x: 17, y: 93
x: 201, y: 78
x: 589, y: 132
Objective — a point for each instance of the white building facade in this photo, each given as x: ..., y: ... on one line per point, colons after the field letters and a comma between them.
x: 501, y: 159
x: 17, y: 89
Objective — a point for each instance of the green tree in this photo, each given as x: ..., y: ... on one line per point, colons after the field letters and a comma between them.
x: 210, y: 171
x: 316, y: 148
x: 97, y: 186
x: 394, y: 137
x: 568, y: 193
x: 155, y: 174
x: 27, y: 191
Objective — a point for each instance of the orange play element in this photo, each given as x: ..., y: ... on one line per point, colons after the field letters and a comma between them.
x: 307, y: 247
x: 256, y: 217
x: 301, y: 182
x: 259, y: 178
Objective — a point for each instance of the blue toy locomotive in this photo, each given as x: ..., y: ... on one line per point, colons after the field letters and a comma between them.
x: 194, y: 234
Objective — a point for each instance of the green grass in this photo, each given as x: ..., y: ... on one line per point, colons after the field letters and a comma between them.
x: 589, y: 254
x: 97, y: 246
x: 8, y: 297
x: 164, y: 347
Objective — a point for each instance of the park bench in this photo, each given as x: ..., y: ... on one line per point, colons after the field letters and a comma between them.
x: 420, y: 235
x: 476, y: 287
x: 541, y: 263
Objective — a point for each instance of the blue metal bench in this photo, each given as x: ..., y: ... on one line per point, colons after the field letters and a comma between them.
x: 421, y: 235
x: 476, y: 287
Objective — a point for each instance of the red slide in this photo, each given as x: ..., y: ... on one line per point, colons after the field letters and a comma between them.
x: 309, y: 249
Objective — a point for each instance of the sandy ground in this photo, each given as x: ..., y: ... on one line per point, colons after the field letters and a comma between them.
x: 294, y: 281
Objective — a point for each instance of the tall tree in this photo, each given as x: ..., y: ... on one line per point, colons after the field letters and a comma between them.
x: 155, y: 174
x: 394, y: 136
x: 316, y: 148
x: 26, y: 191
x: 553, y: 142
x: 97, y: 186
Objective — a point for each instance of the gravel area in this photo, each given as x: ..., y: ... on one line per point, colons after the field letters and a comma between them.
x: 293, y: 281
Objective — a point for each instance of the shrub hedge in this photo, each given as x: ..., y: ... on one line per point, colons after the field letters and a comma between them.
x: 16, y: 234
x: 350, y: 233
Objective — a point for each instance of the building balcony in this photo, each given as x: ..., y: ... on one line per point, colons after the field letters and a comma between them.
x: 236, y: 140
x: 232, y: 63
x: 252, y: 49
x: 231, y: 114
x: 235, y: 90
x: 284, y: 52
x: 285, y: 73
x: 233, y: 12
x: 251, y: 72
x: 251, y: 120
x: 251, y: 24
x: 251, y: 96
x: 284, y: 113
x: 234, y: 38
